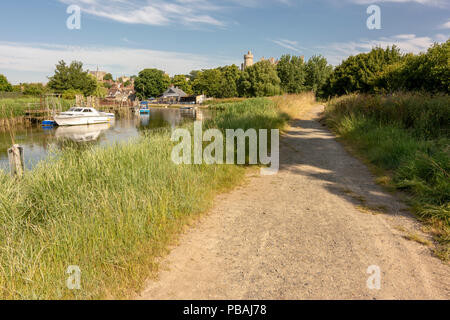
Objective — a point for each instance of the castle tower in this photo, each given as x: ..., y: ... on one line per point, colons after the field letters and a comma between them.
x: 248, y: 60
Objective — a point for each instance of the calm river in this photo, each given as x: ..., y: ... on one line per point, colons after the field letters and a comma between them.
x: 37, y: 141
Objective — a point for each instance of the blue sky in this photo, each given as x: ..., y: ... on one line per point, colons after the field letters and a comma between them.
x: 125, y: 36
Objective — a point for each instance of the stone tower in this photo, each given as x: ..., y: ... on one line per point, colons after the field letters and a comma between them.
x: 248, y: 60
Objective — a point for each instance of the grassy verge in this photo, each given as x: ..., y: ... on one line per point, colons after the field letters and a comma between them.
x: 405, y: 136
x: 214, y: 102
x: 111, y: 211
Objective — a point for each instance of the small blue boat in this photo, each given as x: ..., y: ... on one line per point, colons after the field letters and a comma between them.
x: 144, y: 109
x: 48, y: 123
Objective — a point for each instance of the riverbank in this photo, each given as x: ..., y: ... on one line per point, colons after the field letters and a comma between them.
x: 405, y: 138
x: 111, y: 211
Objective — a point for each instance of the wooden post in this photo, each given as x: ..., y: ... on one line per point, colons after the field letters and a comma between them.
x: 16, y: 160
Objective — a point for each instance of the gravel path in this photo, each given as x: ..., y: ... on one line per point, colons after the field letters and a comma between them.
x: 305, y: 233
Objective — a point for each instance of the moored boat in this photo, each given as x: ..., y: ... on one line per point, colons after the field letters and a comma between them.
x: 144, y: 108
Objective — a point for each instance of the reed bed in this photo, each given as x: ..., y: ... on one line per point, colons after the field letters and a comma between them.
x: 16, y: 107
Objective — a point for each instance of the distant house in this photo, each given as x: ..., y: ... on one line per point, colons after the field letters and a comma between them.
x: 121, y: 94
x: 173, y: 95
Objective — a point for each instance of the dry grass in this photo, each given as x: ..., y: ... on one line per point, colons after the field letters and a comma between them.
x: 294, y: 105
x: 224, y: 100
x: 371, y: 210
x: 417, y: 238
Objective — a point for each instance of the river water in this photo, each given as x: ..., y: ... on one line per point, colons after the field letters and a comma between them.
x: 38, y: 141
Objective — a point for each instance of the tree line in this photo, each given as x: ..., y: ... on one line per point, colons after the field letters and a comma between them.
x: 382, y: 70
x: 290, y: 75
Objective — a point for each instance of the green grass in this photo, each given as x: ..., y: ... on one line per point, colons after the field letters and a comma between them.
x: 405, y: 135
x: 111, y: 211
x: 258, y: 113
x: 215, y: 102
x: 16, y: 107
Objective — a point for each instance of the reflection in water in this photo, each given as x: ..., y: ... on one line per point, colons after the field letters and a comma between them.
x: 85, y: 133
x: 37, y: 140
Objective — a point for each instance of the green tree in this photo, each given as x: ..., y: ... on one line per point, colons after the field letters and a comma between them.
x: 218, y: 83
x: 317, y: 73
x: 428, y: 71
x: 193, y: 75
x: 291, y: 71
x: 229, y: 81
x: 34, y: 89
x: 100, y: 91
x: 359, y: 73
x: 151, y: 83
x: 108, y: 77
x: 4, y: 84
x: 260, y: 80
x: 70, y: 94
x: 17, y: 88
x: 72, y: 77
x: 181, y: 82
x: 209, y: 82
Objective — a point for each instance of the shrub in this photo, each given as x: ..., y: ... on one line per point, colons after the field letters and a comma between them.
x: 71, y: 94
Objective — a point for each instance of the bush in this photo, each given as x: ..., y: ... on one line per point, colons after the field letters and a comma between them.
x: 34, y: 89
x: 358, y: 73
x: 387, y: 71
x: 71, y: 94
x: 5, y: 86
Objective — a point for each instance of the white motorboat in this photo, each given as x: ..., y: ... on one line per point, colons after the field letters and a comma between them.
x: 77, y: 116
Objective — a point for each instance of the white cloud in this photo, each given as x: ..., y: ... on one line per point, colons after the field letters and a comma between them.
x: 445, y: 25
x: 288, y: 44
x: 167, y: 12
x: 34, y: 62
x: 156, y: 12
x: 338, y: 51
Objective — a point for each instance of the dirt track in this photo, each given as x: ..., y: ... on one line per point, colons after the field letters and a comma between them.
x: 304, y: 233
